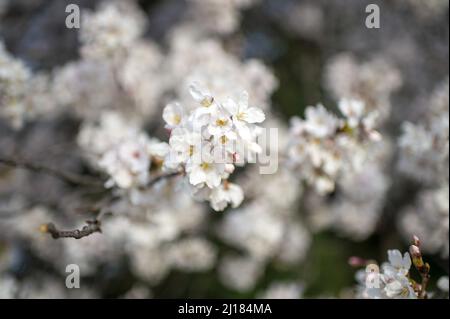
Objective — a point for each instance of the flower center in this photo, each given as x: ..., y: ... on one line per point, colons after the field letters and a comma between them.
x: 241, y: 116
x: 223, y: 139
x: 207, y: 101
x: 177, y: 119
x: 191, y: 150
x: 205, y: 166
x: 221, y: 122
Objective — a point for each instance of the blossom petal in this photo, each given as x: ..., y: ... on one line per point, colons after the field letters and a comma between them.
x: 255, y: 115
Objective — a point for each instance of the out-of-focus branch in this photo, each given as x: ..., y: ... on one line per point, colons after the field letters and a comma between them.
x: 68, y: 177
x: 163, y: 176
x: 93, y: 226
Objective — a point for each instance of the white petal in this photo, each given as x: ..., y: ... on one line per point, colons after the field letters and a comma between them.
x: 173, y: 114
x: 236, y: 195
x: 243, y: 130
x: 255, y: 115
x: 395, y: 258
x: 213, y: 179
x: 243, y: 101
x: 406, y: 261
x: 197, y: 176
x: 196, y: 92
x: 218, y: 199
x: 231, y: 107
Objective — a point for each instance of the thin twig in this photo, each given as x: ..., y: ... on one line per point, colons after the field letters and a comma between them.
x: 93, y: 226
x: 68, y: 177
x: 425, y: 280
x: 160, y: 177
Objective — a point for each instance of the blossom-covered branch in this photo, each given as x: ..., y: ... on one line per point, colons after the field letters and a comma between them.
x: 393, y: 280
x: 209, y: 140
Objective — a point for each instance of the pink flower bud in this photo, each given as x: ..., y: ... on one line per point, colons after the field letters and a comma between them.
x: 357, y: 261
x: 415, y: 251
x: 416, y: 241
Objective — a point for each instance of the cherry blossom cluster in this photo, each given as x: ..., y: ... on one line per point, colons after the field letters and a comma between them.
x: 428, y: 217
x: 424, y: 146
x: 372, y: 81
x: 116, y: 66
x: 206, y: 61
x: 220, y: 16
x: 391, y: 281
x: 394, y: 279
x: 356, y: 206
x: 111, y: 30
x: 24, y: 95
x: 359, y: 193
x: 210, y: 140
x: 14, y: 80
x: 121, y: 150
x: 149, y: 194
x: 424, y: 157
x: 323, y: 146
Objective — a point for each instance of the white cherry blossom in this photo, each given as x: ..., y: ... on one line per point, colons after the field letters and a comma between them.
x: 319, y: 122
x: 398, y: 264
x: 209, y: 141
x: 398, y: 287
x: 206, y: 171
x: 353, y: 110
x: 243, y: 115
x: 173, y: 115
x: 227, y: 193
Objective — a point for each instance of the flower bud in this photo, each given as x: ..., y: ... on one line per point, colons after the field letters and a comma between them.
x: 416, y: 241
x: 416, y: 257
x: 415, y: 251
x: 357, y: 261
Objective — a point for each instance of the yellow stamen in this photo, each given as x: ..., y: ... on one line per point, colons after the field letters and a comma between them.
x: 191, y: 150
x: 223, y: 139
x: 176, y: 119
x: 221, y: 122
x: 205, y: 166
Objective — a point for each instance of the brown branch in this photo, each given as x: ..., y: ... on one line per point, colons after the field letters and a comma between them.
x: 424, y: 285
x: 68, y: 177
x: 93, y: 226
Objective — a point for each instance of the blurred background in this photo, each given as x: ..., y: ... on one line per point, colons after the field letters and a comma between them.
x: 285, y: 240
